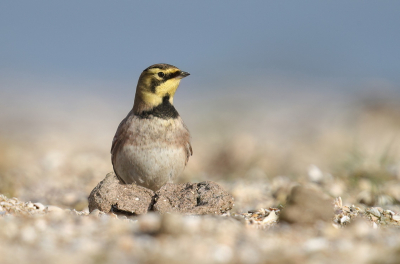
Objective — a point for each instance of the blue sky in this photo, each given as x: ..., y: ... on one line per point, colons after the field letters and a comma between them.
x: 218, y: 42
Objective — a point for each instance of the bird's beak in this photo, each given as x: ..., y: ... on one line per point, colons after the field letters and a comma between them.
x: 183, y: 74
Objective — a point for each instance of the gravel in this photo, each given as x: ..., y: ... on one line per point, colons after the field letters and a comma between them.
x: 35, y: 233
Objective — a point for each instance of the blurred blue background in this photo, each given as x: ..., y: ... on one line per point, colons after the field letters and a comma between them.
x: 348, y: 43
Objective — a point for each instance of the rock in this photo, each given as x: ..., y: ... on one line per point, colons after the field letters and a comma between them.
x: 95, y: 212
x: 112, y: 195
x: 307, y: 205
x: 39, y: 206
x: 54, y: 209
x: 149, y: 223
x: 193, y: 198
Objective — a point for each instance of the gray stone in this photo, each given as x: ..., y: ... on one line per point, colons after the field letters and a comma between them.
x: 306, y: 206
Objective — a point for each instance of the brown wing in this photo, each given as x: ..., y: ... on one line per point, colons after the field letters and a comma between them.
x: 189, y: 152
x: 120, y: 137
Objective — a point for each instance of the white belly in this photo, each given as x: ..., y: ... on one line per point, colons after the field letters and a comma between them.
x: 150, y: 166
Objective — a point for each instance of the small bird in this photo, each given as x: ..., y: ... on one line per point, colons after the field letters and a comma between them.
x: 152, y: 144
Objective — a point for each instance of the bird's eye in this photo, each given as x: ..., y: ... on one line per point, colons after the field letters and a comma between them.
x: 161, y: 74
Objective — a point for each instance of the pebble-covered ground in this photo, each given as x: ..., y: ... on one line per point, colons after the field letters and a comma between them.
x: 35, y: 233
x: 51, y: 160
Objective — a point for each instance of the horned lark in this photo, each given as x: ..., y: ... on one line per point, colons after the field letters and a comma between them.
x: 152, y: 144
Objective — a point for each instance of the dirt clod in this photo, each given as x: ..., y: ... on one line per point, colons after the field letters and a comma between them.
x: 193, y: 198
x: 110, y: 195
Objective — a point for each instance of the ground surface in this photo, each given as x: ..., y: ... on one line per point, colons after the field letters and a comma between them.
x: 33, y: 233
x: 348, y: 149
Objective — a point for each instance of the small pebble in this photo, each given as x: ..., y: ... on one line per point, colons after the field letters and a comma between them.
x: 95, y: 212
x: 375, y: 211
x: 344, y: 220
x: 396, y: 218
x: 52, y: 208
x: 39, y: 206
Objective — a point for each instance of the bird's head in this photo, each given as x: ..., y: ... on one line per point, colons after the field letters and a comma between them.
x: 156, y: 83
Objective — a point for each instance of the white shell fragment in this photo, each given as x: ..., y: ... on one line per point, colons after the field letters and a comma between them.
x: 344, y: 220
x: 374, y: 211
x: 271, y: 218
x: 396, y: 218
